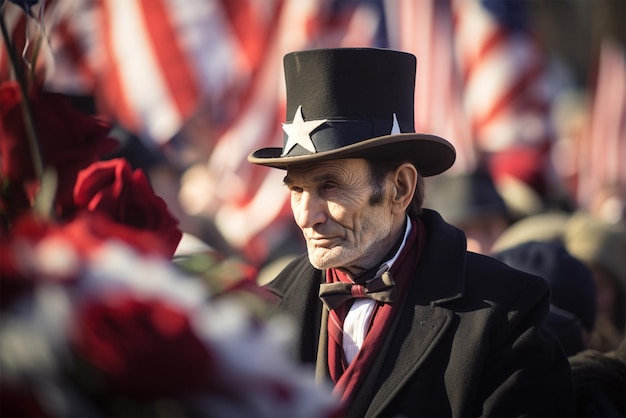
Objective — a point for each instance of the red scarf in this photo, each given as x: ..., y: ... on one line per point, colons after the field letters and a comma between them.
x: 347, y: 378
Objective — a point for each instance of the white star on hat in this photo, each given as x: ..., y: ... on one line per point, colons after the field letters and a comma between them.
x: 299, y: 132
x: 395, y: 127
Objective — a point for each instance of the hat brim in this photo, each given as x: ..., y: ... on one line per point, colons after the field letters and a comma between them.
x: 431, y: 154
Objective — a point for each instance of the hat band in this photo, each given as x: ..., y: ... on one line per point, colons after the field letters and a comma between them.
x: 335, y: 134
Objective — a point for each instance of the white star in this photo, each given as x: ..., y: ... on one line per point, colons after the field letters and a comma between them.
x: 395, y: 127
x: 299, y: 132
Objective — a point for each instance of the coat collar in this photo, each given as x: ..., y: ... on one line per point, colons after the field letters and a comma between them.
x: 441, y: 273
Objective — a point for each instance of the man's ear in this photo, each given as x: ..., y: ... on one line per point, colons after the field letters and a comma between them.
x: 404, y: 183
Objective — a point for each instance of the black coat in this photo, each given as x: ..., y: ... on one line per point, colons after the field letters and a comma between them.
x: 468, y: 342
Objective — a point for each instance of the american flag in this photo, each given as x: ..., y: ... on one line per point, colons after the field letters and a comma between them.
x: 148, y: 63
x: 481, y: 78
x: 504, y: 74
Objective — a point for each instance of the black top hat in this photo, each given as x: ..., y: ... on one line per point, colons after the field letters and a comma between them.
x: 353, y: 103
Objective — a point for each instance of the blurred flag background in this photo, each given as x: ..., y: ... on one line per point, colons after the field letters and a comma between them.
x: 533, y: 90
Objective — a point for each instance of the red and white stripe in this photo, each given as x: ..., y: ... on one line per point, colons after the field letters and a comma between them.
x: 505, y: 94
x: 602, y: 153
x: 149, y: 63
x: 425, y: 29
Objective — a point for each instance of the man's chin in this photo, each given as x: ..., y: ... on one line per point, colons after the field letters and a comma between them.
x: 322, y: 259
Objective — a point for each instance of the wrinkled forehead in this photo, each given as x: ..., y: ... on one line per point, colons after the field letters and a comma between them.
x: 326, y: 168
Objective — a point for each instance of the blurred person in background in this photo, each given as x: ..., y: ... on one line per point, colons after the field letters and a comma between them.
x: 602, y: 246
x: 573, y: 293
x: 471, y: 202
x: 545, y: 226
x: 600, y: 382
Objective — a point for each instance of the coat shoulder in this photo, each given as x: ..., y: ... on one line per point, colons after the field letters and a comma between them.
x: 299, y: 272
x: 493, y: 277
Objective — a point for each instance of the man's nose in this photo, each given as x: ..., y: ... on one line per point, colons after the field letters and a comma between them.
x: 309, y: 211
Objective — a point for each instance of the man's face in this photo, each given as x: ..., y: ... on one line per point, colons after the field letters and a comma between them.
x: 332, y: 205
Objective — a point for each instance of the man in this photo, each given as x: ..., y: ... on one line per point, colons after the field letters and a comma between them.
x: 450, y: 333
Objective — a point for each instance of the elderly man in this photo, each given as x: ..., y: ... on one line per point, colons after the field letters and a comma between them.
x: 392, y: 307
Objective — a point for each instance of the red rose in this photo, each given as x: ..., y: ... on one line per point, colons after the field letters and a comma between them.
x: 68, y: 138
x: 142, y: 348
x: 113, y: 188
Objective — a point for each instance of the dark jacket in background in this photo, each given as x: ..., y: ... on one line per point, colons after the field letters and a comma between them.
x: 600, y: 382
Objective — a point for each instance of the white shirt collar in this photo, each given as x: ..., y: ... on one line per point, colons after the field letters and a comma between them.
x: 389, y: 263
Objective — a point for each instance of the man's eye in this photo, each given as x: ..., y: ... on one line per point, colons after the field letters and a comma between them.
x: 295, y: 189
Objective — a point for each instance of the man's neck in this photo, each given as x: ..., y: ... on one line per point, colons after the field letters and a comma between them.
x: 362, y: 275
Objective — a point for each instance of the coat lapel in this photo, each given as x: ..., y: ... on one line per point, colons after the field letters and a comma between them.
x: 394, y: 367
x: 321, y: 364
x: 297, y: 288
x: 412, y: 342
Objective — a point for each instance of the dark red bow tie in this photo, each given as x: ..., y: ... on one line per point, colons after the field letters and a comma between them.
x: 381, y: 288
